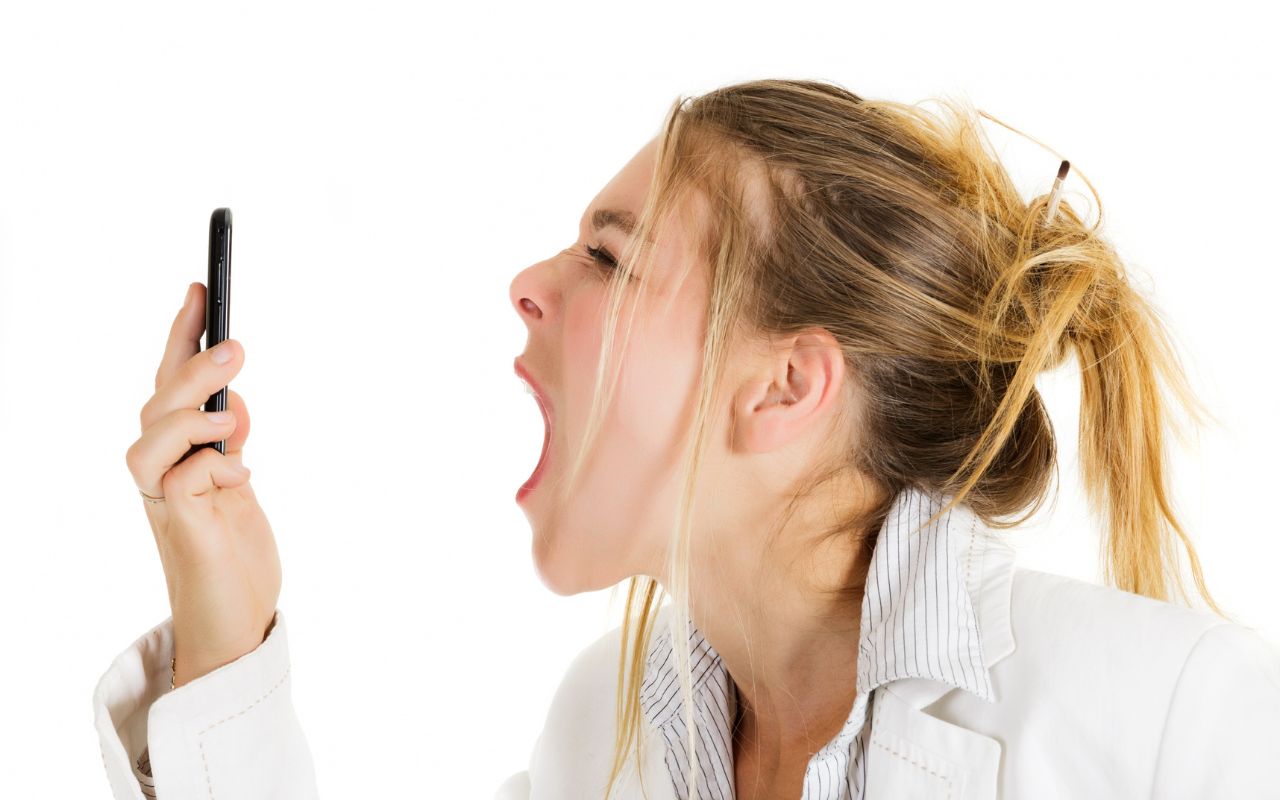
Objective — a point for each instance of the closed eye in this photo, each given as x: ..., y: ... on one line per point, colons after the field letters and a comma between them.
x: 601, y: 257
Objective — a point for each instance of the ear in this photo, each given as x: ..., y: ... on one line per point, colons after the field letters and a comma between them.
x: 792, y: 394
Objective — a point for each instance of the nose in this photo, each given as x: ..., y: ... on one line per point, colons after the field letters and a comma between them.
x: 527, y: 294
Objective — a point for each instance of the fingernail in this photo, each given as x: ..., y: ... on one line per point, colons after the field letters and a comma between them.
x: 221, y: 354
x: 219, y: 416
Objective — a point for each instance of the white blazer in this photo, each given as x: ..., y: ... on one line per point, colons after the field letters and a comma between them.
x: 1099, y: 693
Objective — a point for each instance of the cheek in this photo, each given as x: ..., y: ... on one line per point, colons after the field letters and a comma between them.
x: 581, y: 350
x: 661, y: 370
x: 654, y: 395
x: 618, y: 517
x: 582, y: 320
x: 656, y: 392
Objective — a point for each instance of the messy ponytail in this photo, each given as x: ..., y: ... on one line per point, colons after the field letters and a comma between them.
x: 1067, y: 291
x: 900, y: 233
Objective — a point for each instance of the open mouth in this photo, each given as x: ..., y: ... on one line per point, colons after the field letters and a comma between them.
x: 545, y: 408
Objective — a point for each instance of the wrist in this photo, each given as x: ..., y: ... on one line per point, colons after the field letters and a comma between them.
x: 210, y: 666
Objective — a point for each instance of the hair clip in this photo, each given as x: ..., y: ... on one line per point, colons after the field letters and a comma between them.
x: 1055, y: 194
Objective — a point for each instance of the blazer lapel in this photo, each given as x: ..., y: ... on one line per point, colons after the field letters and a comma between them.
x: 912, y: 754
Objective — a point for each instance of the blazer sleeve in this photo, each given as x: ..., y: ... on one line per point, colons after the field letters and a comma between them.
x: 232, y: 732
x: 1220, y: 736
x: 515, y: 787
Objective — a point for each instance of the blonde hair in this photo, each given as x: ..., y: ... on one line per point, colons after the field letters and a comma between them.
x: 899, y: 232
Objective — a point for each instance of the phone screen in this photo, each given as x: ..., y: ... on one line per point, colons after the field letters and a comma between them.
x: 217, y: 313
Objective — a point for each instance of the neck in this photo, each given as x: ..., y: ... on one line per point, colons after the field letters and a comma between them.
x: 785, y: 619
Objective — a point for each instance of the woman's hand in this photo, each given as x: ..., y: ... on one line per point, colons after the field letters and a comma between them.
x: 219, y: 556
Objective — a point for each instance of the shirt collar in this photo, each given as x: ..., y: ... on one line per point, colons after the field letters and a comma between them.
x: 919, y: 619
x: 920, y: 615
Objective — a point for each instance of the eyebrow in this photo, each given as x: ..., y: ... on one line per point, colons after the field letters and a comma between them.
x: 604, y: 217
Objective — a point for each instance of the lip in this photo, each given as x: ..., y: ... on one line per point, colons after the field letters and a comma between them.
x: 538, y: 391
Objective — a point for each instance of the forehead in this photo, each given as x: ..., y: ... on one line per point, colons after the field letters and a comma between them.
x: 678, y: 245
x: 618, y: 204
x: 616, y: 208
x: 621, y: 199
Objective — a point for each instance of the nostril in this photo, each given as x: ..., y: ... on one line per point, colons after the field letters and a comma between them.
x: 530, y: 306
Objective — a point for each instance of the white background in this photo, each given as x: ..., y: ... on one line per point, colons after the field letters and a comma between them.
x: 391, y: 168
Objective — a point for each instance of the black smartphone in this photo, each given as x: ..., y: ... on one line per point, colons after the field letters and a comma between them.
x: 217, y: 312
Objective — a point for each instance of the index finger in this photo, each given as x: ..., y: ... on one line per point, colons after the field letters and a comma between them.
x: 184, y: 334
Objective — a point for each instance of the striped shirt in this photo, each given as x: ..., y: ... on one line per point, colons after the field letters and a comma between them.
x: 918, y: 620
x: 142, y: 771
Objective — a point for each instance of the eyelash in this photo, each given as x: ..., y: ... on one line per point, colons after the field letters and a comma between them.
x: 601, y: 257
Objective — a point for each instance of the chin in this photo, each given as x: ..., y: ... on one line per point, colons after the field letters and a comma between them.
x: 560, y: 582
x: 554, y: 573
x: 566, y: 576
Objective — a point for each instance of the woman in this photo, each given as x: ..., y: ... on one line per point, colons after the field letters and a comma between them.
x: 815, y: 322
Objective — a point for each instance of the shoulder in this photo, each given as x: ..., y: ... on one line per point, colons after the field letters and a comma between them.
x: 1125, y: 651
x: 1191, y: 697
x: 590, y: 676
x: 596, y: 664
x: 1128, y: 685
x: 1219, y: 733
x: 1068, y: 611
x: 593, y: 672
x: 577, y: 738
